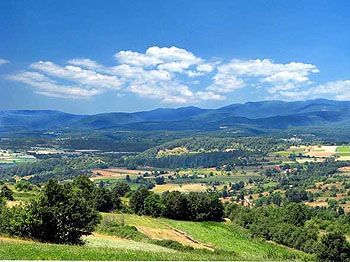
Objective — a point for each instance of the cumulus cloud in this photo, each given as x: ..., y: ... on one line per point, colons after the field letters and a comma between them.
x: 235, y: 74
x: 175, y: 75
x: 340, y: 90
x: 78, y: 75
x: 49, y: 87
x: 4, y: 61
x: 85, y: 63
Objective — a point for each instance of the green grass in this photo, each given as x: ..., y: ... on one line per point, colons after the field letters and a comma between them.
x: 232, y: 238
x: 39, y: 251
x: 23, y: 196
x: 343, y: 149
x: 104, y: 242
x: 230, y: 241
x: 343, y: 154
x: 135, y: 220
x: 225, y: 237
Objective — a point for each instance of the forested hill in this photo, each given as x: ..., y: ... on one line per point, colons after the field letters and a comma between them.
x: 264, y: 114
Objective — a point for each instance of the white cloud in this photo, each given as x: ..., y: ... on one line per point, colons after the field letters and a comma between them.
x: 4, y: 61
x: 278, y: 77
x: 172, y: 59
x: 340, y: 90
x: 86, y: 63
x: 170, y: 73
x: 78, y: 75
x: 136, y: 59
x: 209, y: 96
x: 205, y: 68
x: 49, y: 87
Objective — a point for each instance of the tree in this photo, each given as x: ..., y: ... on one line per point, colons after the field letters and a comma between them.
x: 296, y: 214
x: 153, y: 206
x: 120, y: 189
x: 137, y: 200
x: 58, y: 215
x: 102, y: 199
x: 333, y: 247
x: 175, y: 206
x: 160, y: 180
x: 204, y: 207
x: 86, y: 186
x: 5, y: 192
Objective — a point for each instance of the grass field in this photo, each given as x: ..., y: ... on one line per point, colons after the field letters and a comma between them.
x: 343, y: 149
x: 223, y: 236
x: 38, y: 251
x: 230, y: 242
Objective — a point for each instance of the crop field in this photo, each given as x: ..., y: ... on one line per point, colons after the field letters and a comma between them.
x: 315, y: 153
x: 10, y: 157
x: 185, y: 188
x: 343, y: 149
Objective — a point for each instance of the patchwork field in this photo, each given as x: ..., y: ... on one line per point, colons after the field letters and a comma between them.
x: 10, y: 157
x: 316, y: 153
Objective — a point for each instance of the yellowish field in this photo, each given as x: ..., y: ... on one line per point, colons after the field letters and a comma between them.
x: 316, y: 159
x: 185, y: 188
x: 345, y: 169
x: 343, y: 158
x: 317, y: 204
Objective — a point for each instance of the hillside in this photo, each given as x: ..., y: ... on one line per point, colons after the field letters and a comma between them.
x: 229, y: 241
x: 251, y: 115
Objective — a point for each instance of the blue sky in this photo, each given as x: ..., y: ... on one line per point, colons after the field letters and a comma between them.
x: 103, y: 56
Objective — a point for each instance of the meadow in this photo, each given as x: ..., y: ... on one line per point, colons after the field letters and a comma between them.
x: 227, y: 241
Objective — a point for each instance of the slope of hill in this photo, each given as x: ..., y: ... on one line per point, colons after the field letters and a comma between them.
x: 37, y: 119
x: 264, y: 114
x: 230, y: 242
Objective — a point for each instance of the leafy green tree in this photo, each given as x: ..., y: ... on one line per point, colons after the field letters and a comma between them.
x: 296, y: 214
x: 204, y: 207
x: 333, y: 247
x: 5, y: 192
x: 58, y: 215
x: 102, y: 199
x: 160, y: 180
x: 120, y: 189
x: 86, y: 186
x: 137, y: 200
x: 175, y: 206
x: 153, y: 206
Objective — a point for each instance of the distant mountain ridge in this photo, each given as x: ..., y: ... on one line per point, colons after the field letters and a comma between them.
x: 264, y: 114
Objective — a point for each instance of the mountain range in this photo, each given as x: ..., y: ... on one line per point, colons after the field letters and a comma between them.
x: 264, y: 114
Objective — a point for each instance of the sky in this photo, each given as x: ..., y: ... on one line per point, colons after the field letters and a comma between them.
x: 92, y: 56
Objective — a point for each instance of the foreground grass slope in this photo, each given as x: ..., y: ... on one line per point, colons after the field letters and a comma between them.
x: 229, y: 241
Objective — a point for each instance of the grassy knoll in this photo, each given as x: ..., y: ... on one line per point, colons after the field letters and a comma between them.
x: 229, y: 237
x: 39, y: 251
x: 225, y: 237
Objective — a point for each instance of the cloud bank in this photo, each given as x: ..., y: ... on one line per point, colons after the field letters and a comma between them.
x: 175, y: 75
